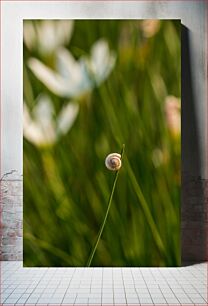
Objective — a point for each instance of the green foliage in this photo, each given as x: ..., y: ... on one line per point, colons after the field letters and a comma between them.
x: 67, y: 187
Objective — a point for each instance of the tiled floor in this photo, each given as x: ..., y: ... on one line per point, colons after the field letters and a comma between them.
x: 103, y: 286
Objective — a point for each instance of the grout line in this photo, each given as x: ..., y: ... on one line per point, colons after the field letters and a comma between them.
x: 147, y: 287
x: 123, y: 284
x: 120, y: 280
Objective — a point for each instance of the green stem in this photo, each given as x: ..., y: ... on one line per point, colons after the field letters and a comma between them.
x: 106, y: 215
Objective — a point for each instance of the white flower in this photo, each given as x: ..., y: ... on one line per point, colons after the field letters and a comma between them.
x: 150, y: 27
x: 47, y: 35
x: 173, y: 114
x: 74, y: 78
x: 101, y: 61
x: 41, y: 128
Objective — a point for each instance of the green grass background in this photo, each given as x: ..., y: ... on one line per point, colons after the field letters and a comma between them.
x: 66, y: 187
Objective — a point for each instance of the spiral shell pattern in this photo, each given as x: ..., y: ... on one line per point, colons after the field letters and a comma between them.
x: 113, y: 161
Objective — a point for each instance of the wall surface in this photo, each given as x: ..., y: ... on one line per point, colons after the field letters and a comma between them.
x: 194, y: 214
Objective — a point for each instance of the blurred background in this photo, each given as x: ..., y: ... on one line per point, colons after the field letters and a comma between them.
x: 89, y: 87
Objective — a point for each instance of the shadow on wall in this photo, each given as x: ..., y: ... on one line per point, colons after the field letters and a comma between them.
x: 194, y: 196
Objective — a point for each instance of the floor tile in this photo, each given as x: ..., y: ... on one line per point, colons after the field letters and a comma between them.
x: 109, y: 286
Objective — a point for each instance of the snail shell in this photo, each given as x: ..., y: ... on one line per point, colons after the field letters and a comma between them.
x: 113, y: 161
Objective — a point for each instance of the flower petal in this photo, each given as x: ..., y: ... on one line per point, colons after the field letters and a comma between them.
x: 46, y: 36
x: 29, y: 34
x: 64, y: 30
x: 102, y: 60
x: 68, y: 67
x: 173, y: 114
x: 74, y: 72
x: 40, y: 130
x: 32, y: 131
x: 48, y: 77
x: 150, y: 27
x: 43, y: 110
x: 26, y: 116
x: 43, y: 115
x: 53, y: 33
x: 67, y: 117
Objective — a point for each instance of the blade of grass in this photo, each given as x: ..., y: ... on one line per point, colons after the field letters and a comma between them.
x: 50, y: 248
x: 89, y: 261
x: 145, y: 208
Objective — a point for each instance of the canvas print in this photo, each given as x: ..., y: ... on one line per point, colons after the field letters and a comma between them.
x: 102, y: 143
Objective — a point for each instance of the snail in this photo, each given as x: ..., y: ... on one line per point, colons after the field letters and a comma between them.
x: 113, y: 161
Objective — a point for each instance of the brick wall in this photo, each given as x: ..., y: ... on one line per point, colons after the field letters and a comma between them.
x: 11, y: 219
